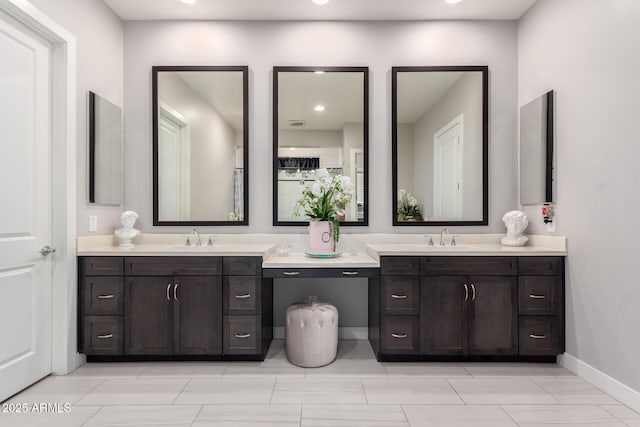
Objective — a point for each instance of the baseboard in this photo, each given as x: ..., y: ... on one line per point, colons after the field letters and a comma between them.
x: 604, y: 382
x: 347, y: 333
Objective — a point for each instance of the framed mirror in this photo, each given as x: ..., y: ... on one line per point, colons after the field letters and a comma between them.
x: 320, y: 121
x: 200, y: 145
x: 536, y: 151
x: 440, y: 145
x: 105, y: 152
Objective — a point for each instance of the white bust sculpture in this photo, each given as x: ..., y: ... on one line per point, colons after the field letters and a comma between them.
x: 516, y: 222
x: 127, y: 232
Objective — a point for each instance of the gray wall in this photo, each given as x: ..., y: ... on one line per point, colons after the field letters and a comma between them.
x: 379, y: 45
x: 99, y: 35
x: 587, y: 50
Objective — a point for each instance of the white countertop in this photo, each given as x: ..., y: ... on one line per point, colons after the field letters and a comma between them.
x: 360, y: 250
x: 300, y: 260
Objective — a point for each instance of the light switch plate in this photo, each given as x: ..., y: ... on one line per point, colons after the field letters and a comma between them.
x: 93, y: 223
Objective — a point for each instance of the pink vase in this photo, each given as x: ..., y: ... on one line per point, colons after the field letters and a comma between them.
x: 321, y: 237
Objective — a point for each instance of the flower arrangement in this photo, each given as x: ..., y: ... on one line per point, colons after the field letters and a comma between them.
x: 408, y: 207
x: 325, y: 198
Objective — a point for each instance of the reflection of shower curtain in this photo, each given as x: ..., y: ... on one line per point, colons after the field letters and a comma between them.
x: 238, y: 192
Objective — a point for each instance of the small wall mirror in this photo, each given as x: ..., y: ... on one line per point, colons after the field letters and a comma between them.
x: 320, y: 120
x: 440, y: 145
x: 200, y: 145
x: 536, y: 151
x: 105, y: 152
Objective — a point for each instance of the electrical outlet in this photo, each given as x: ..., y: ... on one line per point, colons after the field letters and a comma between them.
x: 93, y: 223
x: 551, y: 226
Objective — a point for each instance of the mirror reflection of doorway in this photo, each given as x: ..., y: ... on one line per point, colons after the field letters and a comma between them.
x: 447, y: 168
x: 174, y: 161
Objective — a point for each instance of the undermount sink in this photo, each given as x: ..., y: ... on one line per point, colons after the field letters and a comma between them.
x: 192, y: 247
x: 449, y: 248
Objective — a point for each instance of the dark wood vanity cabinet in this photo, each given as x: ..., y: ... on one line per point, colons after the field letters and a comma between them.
x: 101, y: 305
x: 247, y: 307
x: 173, y: 306
x: 468, y: 307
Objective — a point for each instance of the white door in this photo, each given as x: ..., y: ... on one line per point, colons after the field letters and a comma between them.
x: 447, y: 171
x: 174, y: 191
x: 25, y: 215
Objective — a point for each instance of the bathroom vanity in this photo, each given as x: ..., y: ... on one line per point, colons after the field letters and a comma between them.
x: 475, y: 302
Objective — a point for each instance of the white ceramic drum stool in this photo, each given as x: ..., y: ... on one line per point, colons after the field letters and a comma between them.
x: 311, y: 334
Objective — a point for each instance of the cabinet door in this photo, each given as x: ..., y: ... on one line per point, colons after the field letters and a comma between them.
x: 197, y: 314
x: 493, y: 322
x: 443, y: 315
x: 148, y: 315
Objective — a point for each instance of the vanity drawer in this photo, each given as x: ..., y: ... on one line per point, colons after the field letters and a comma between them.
x: 101, y: 266
x: 400, y: 266
x: 400, y: 295
x: 242, y: 335
x: 539, y: 295
x: 539, y: 266
x: 103, y: 335
x: 462, y: 265
x: 241, y: 294
x: 539, y: 336
x: 400, y: 335
x: 173, y: 266
x: 241, y: 266
x: 102, y: 295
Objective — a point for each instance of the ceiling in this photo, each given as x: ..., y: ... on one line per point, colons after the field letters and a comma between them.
x: 347, y: 10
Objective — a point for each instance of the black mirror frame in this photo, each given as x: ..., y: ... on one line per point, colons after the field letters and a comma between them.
x: 245, y: 143
x: 485, y: 143
x: 365, y: 72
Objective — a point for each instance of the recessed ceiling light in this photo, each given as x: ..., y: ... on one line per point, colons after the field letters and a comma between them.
x: 453, y: 1
x: 189, y: 2
x: 319, y: 108
x: 321, y: 2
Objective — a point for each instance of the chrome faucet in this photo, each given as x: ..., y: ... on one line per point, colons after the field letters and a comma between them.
x: 442, y: 235
x: 197, y: 235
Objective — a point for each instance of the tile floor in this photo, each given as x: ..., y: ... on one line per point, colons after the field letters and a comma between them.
x: 355, y: 390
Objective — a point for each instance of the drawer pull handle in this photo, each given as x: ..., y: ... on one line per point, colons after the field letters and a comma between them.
x: 537, y: 337
x: 291, y: 273
x: 105, y: 337
x: 168, y: 287
x: 175, y: 292
x: 105, y: 296
x: 398, y: 296
x: 473, y: 292
x: 349, y: 273
x: 245, y: 296
x: 466, y: 292
x: 242, y: 335
x: 399, y: 335
x: 532, y: 296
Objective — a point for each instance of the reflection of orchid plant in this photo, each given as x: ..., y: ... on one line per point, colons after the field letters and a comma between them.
x: 325, y: 198
x: 408, y: 206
